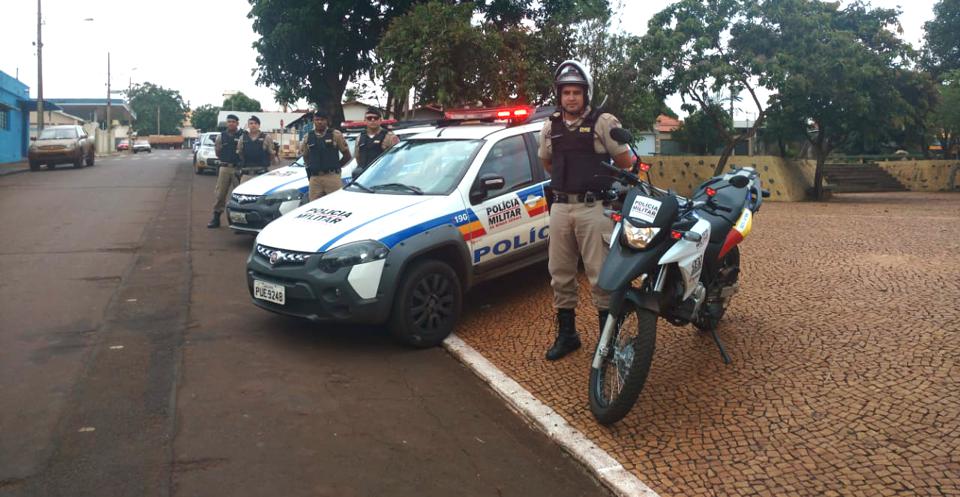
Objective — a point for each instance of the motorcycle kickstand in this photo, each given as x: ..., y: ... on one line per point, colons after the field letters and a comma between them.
x: 723, y: 351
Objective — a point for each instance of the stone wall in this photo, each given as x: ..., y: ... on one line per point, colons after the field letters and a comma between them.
x: 786, y: 180
x: 925, y: 175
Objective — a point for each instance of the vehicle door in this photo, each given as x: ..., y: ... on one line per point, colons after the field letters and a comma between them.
x: 512, y: 218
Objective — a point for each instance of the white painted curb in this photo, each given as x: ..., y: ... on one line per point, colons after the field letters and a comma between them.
x: 604, y: 467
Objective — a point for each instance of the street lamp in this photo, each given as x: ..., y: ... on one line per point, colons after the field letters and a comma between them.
x: 39, y: 71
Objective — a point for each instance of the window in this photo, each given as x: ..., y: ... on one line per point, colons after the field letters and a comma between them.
x: 4, y: 119
x: 58, y: 133
x: 508, y: 158
x: 434, y: 167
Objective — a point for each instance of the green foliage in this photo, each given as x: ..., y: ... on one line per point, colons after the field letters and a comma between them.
x: 700, y: 48
x: 943, y: 37
x: 699, y: 134
x: 205, y: 117
x: 147, y: 100
x: 312, y: 49
x: 835, y: 70
x: 239, y: 101
x: 945, y: 119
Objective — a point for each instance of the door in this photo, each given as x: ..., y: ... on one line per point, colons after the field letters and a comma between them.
x: 513, y: 217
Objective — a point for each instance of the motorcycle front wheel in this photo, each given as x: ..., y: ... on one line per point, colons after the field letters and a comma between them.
x: 615, y: 386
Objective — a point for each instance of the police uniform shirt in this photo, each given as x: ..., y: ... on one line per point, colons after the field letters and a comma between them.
x: 389, y: 140
x: 267, y: 144
x: 338, y: 140
x: 602, y: 143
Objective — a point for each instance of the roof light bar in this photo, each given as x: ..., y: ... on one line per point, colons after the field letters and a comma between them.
x: 498, y: 113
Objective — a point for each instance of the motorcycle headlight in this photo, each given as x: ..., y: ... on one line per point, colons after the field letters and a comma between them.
x: 637, y: 238
x: 352, y: 254
x: 282, y: 196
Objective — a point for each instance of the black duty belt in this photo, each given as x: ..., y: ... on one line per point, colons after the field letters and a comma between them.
x: 321, y: 173
x: 577, y: 198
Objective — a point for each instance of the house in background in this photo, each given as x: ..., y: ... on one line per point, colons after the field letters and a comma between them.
x: 664, y: 128
x: 14, y: 103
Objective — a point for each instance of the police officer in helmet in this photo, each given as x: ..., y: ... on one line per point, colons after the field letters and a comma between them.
x: 228, y: 175
x: 573, y: 143
x: 375, y: 141
x: 321, y: 150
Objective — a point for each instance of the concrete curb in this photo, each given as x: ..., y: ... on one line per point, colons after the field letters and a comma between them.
x: 604, y: 467
x: 14, y: 171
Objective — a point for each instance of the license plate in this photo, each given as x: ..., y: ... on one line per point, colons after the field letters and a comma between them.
x: 269, y: 292
x: 238, y: 217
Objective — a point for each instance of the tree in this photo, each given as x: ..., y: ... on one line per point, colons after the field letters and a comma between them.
x: 315, y: 48
x: 698, y: 48
x: 942, y: 35
x: 698, y: 133
x: 945, y: 119
x: 836, y: 71
x: 205, y: 117
x: 284, y: 97
x: 147, y: 100
x: 239, y: 101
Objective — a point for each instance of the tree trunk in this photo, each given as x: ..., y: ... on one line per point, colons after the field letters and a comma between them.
x: 818, y: 176
x: 783, y: 147
x: 722, y: 162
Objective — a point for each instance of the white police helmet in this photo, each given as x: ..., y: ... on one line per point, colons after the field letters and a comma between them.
x: 572, y: 72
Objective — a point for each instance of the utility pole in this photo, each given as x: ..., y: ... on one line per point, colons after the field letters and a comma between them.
x: 39, y: 72
x: 108, y: 98
x: 158, y: 119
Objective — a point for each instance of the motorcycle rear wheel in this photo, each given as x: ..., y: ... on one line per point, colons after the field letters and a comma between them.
x: 615, y: 386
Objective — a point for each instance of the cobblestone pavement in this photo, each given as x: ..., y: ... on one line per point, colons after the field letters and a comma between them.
x: 845, y: 339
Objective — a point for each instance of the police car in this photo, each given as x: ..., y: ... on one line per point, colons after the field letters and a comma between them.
x: 433, y: 216
x: 258, y: 201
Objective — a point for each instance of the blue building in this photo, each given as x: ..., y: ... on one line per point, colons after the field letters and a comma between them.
x: 14, y: 105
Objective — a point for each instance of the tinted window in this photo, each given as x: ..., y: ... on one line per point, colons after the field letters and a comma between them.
x: 508, y: 158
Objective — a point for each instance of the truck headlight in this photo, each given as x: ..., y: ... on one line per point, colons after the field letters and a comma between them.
x: 636, y: 237
x: 282, y: 196
x: 352, y: 254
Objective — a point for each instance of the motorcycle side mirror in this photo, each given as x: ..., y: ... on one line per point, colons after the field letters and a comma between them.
x: 621, y: 135
x: 739, y: 181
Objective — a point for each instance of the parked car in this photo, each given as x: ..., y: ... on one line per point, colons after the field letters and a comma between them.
x: 254, y: 203
x: 402, y: 243
x: 61, y: 145
x: 142, y: 146
x: 206, y: 157
x: 123, y: 145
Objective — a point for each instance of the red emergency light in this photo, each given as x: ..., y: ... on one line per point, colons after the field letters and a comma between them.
x: 497, y: 114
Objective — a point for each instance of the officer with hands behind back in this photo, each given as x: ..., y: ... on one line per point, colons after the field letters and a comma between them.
x: 228, y: 175
x: 321, y: 151
x: 375, y: 141
x: 255, y: 149
x: 573, y: 143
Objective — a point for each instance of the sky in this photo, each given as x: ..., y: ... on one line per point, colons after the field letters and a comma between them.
x: 200, y: 48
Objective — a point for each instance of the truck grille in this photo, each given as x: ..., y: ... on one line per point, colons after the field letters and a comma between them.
x: 244, y: 199
x: 277, y: 257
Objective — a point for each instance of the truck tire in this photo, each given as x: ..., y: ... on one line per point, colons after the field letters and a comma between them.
x: 427, y: 305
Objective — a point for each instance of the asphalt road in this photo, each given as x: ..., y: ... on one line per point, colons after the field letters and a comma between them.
x: 133, y: 364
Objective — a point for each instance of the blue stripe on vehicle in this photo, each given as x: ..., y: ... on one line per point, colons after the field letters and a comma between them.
x: 355, y: 228
x: 282, y: 185
x: 402, y: 235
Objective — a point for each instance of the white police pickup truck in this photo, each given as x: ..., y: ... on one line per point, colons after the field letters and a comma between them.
x: 258, y: 201
x: 433, y: 216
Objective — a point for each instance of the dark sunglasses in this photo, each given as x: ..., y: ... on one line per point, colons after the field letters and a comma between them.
x: 373, y: 118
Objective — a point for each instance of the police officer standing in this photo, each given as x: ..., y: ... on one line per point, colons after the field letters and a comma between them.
x: 255, y: 148
x: 228, y: 176
x: 321, y: 151
x: 374, y: 142
x: 573, y: 143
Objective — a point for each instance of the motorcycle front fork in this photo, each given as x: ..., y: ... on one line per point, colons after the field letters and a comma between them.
x: 603, y: 345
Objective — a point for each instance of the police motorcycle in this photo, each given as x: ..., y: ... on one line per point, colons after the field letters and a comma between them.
x: 672, y: 257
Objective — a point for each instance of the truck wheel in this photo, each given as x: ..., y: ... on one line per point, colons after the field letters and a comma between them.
x: 34, y: 165
x: 91, y: 158
x: 427, y: 305
x: 78, y: 161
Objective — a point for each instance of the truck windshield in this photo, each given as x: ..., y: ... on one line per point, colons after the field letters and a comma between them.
x: 58, y: 134
x: 430, y: 167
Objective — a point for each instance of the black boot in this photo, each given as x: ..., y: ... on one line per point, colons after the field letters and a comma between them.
x: 567, y: 339
x: 215, y: 222
x: 603, y: 318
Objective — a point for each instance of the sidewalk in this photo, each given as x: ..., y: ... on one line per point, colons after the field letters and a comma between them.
x: 14, y: 168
